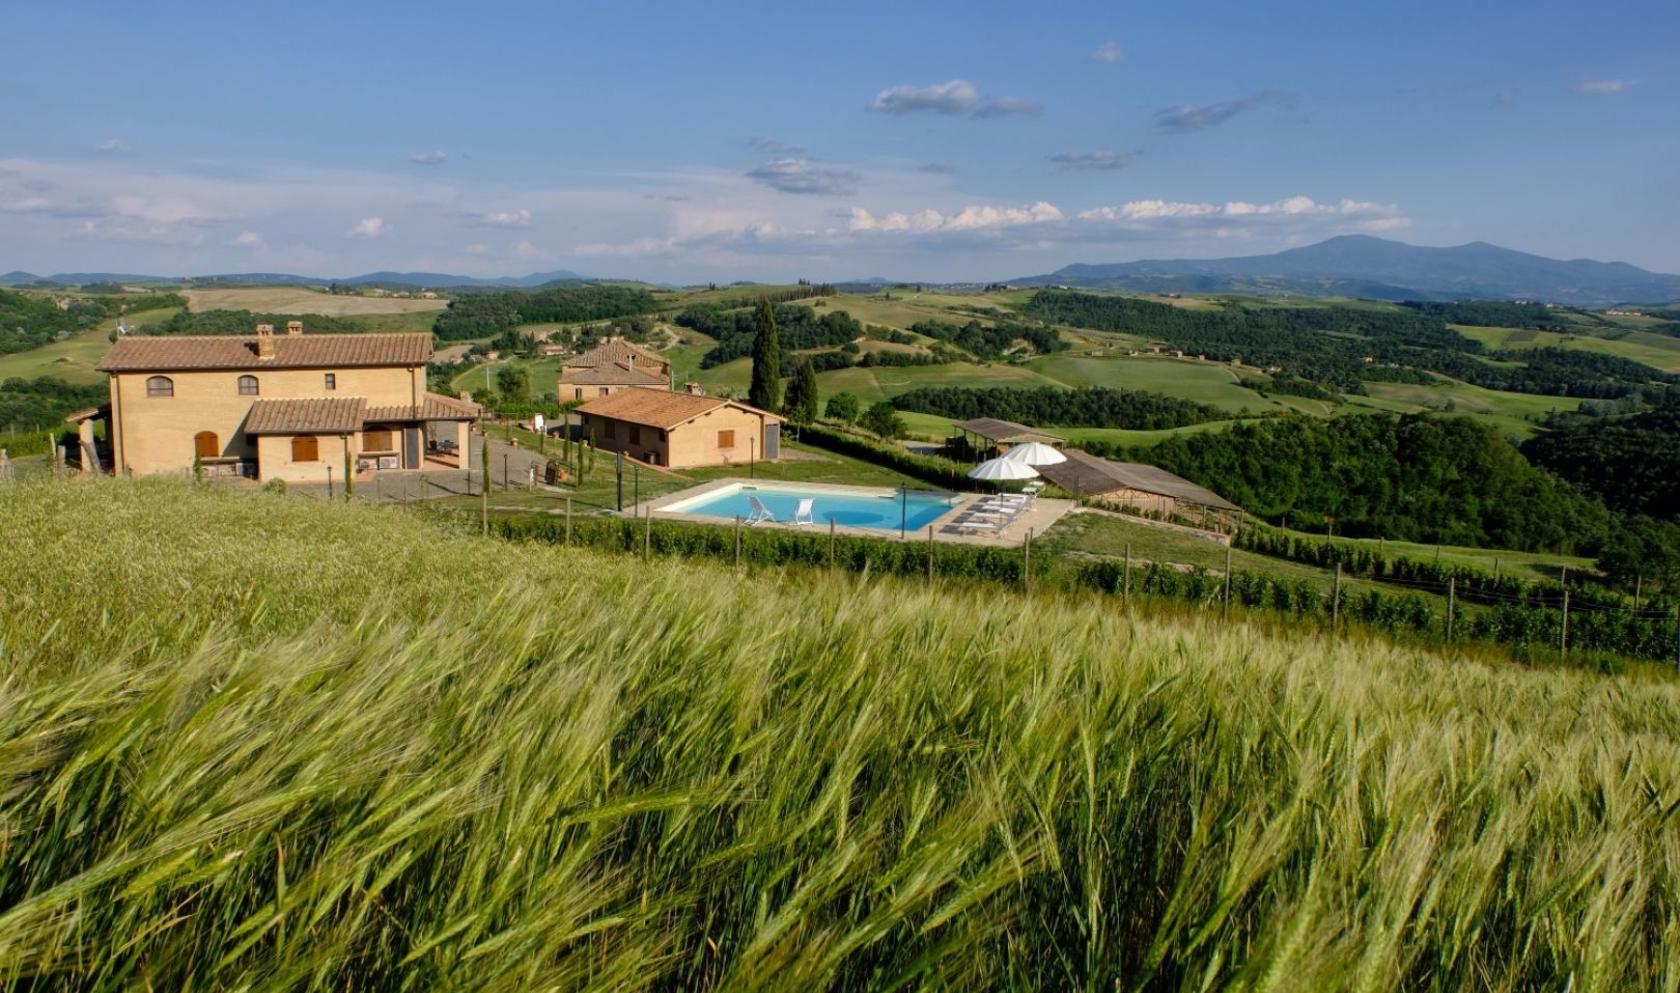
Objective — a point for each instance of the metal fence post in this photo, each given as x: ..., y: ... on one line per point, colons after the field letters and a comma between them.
x: 647, y: 537
x: 568, y: 520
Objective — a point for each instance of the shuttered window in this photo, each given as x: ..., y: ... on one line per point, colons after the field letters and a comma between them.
x: 726, y: 439
x: 206, y: 445
x: 305, y: 448
x: 378, y: 441
x: 160, y: 386
x: 247, y: 386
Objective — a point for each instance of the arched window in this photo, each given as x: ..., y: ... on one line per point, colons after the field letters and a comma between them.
x: 305, y: 448
x: 247, y: 386
x: 206, y: 445
x: 160, y: 386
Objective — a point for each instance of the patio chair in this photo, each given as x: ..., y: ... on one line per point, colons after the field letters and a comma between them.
x: 802, y: 513
x: 760, y: 513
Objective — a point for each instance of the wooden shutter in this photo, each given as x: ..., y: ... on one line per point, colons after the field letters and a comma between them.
x: 306, y: 448
x: 206, y: 445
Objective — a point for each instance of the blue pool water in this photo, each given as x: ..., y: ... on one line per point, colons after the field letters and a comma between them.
x: 863, y: 510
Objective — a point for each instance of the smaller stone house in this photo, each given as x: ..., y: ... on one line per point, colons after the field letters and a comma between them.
x: 681, y: 430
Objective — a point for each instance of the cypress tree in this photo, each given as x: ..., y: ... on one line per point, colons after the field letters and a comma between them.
x: 766, y: 390
x: 801, y: 400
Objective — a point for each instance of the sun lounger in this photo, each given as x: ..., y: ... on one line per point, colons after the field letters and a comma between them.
x: 802, y: 513
x: 760, y: 513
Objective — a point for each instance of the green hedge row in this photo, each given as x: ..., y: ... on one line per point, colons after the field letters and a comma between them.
x: 931, y: 469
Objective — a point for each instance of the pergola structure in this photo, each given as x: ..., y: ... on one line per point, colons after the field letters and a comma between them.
x: 988, y: 437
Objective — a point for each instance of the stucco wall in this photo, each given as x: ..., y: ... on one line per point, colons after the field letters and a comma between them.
x: 155, y: 434
x: 274, y: 459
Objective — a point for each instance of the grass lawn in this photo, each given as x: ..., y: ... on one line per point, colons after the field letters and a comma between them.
x: 544, y: 374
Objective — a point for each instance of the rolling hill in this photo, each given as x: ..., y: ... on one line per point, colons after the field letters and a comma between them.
x: 1376, y: 268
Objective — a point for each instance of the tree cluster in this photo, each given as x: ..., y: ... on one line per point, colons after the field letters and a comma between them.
x: 1449, y: 480
x: 1089, y: 406
x: 798, y: 329
x: 480, y: 315
x: 28, y: 404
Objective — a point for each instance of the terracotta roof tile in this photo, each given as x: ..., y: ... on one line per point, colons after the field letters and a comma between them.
x: 659, y: 408
x: 617, y: 350
x: 163, y: 353
x: 433, y: 407
x: 610, y: 374
x: 314, y: 415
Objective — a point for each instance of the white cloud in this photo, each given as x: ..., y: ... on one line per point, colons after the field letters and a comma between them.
x: 477, y: 248
x: 805, y: 176
x: 368, y: 227
x: 251, y: 240
x: 1009, y: 107
x: 1103, y: 159
x: 1109, y: 51
x: 505, y: 218
x: 113, y: 145
x: 982, y: 217
x: 955, y: 98
x: 526, y: 251
x: 429, y: 158
x: 1601, y: 87
x: 1377, y: 216
x: 959, y: 96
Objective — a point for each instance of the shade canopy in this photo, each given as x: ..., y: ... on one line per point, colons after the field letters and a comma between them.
x: 1002, y: 469
x: 1035, y: 453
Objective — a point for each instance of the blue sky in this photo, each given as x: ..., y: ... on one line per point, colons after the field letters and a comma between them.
x: 721, y: 142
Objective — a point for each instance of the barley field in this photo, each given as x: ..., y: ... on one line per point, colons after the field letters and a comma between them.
x: 255, y: 741
x: 302, y: 300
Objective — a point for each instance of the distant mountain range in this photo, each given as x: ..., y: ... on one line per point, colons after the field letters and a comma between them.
x: 1375, y: 268
x: 399, y: 280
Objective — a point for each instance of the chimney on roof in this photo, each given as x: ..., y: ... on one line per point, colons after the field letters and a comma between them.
x: 265, y: 341
x: 294, y: 327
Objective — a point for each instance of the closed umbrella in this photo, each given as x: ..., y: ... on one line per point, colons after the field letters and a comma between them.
x: 1035, y: 453
x: 1002, y: 469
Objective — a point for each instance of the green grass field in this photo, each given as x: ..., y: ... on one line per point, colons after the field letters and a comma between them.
x: 1656, y: 350
x: 1206, y: 382
x: 74, y: 358
x: 399, y: 756
x: 1514, y: 413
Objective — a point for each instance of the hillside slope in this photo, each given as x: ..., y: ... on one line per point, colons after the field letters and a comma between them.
x: 264, y: 741
x: 1380, y: 269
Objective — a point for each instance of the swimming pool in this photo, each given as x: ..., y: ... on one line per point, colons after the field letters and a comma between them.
x: 878, y: 510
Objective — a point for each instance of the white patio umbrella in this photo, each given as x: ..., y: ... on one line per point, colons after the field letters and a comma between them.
x: 1035, y: 453
x: 1002, y: 469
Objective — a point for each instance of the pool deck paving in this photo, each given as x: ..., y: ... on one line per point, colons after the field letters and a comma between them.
x: 1037, y: 518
